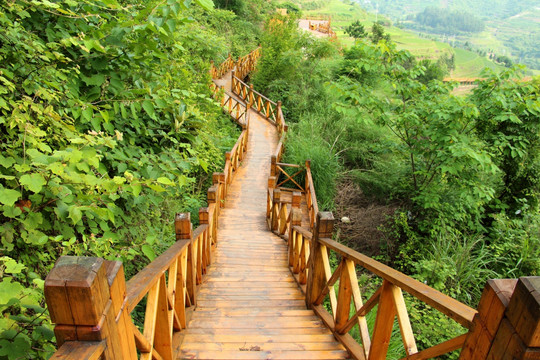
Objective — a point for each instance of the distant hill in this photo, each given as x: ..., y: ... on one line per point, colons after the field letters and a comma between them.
x: 512, y: 28
x: 487, y: 9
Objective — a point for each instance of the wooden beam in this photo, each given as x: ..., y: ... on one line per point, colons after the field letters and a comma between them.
x: 384, y: 322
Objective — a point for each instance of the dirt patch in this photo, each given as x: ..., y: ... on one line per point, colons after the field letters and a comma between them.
x: 366, y: 216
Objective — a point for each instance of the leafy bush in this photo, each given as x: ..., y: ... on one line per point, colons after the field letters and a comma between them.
x: 108, y: 129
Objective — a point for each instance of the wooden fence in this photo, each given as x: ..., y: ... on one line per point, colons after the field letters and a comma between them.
x: 244, y: 65
x: 92, y: 305
x: 269, y: 109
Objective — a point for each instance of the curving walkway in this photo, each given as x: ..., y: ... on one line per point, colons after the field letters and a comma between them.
x: 249, y: 306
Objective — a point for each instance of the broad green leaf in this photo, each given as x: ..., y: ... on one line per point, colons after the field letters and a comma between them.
x: 87, y: 114
x: 6, y: 161
x: 148, y: 251
x: 156, y: 187
x: 75, y: 214
x: 205, y: 4
x: 165, y: 181
x: 33, y: 182
x: 95, y: 80
x: 149, y: 108
x: 136, y: 189
x: 9, y: 197
x: 11, y: 266
x: 9, y: 290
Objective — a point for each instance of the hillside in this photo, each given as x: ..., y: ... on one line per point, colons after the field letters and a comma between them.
x: 511, y: 29
x: 343, y: 13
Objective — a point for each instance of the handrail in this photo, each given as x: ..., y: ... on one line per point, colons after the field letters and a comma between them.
x: 139, y: 285
x: 317, y: 279
x: 269, y: 109
x: 244, y: 65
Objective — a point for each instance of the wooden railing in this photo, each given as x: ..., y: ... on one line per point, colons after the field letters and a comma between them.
x: 323, y: 27
x: 507, y: 324
x: 244, y: 65
x: 269, y: 109
x: 222, y: 69
x: 489, y: 336
x: 92, y: 305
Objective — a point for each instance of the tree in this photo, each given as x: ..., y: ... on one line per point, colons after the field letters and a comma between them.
x: 356, y: 30
x: 378, y: 34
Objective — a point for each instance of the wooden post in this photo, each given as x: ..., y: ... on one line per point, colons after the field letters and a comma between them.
x: 296, y: 220
x: 384, y: 322
x: 275, y: 209
x: 233, y: 72
x: 183, y: 228
x: 251, y: 96
x: 507, y: 325
x: 85, y: 304
x: 212, y: 205
x: 272, y: 182
x: 278, y: 118
x: 273, y: 165
x: 296, y: 199
x: 204, y: 217
x: 316, y: 281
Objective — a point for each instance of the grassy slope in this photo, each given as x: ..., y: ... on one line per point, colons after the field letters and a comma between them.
x: 501, y: 29
x: 468, y: 64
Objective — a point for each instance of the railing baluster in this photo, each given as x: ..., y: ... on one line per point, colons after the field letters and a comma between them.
x: 163, y: 332
x: 384, y: 323
x: 183, y: 227
x: 404, y: 323
x: 316, y: 274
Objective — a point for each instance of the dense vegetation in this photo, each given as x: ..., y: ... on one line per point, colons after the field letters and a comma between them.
x: 511, y: 28
x: 108, y: 128
x: 449, y: 22
x: 464, y: 170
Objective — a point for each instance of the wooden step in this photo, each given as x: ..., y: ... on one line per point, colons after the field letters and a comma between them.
x: 249, y: 306
x: 256, y: 354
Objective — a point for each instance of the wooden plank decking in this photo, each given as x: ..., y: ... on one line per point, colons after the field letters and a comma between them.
x: 249, y: 306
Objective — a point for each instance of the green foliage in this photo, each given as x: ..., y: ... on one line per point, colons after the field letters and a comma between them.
x: 457, y: 165
x: 446, y: 21
x: 378, y: 33
x: 356, y: 30
x: 303, y: 142
x: 457, y: 265
x: 108, y: 129
x: 431, y: 327
x: 509, y: 121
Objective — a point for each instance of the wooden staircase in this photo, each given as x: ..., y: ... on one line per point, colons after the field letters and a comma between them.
x: 232, y: 289
x: 249, y: 305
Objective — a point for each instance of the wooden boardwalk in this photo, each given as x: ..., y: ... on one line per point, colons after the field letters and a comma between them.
x: 249, y: 306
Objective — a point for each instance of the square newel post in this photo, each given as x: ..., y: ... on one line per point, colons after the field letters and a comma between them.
x: 183, y: 229
x: 269, y: 201
x: 324, y: 227
x: 218, y: 180
x: 85, y: 297
x: 213, y: 207
x: 507, y: 325
x: 233, y: 74
x: 273, y: 165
